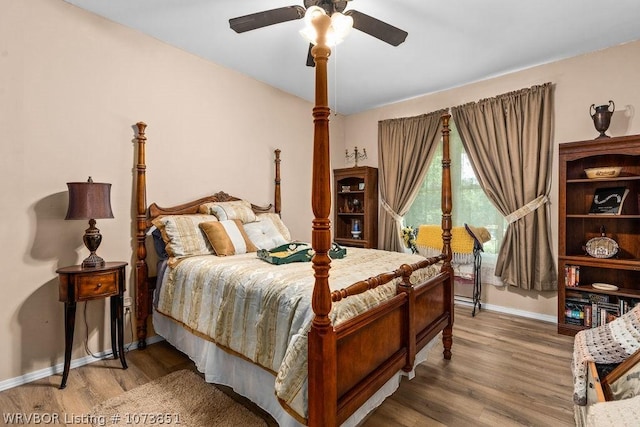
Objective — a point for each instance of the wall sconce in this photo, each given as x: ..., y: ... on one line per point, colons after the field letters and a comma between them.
x: 355, y: 156
x: 90, y: 200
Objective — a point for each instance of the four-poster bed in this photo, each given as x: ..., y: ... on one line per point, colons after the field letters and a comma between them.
x: 351, y: 362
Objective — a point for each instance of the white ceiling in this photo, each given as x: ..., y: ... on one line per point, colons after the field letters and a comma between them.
x: 450, y: 43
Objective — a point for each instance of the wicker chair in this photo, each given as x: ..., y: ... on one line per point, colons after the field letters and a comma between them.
x: 611, y: 355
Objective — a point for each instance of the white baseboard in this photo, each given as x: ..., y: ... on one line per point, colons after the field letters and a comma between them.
x: 508, y: 310
x: 53, y: 370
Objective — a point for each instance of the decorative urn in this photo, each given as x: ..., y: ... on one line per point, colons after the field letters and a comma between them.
x: 601, y: 116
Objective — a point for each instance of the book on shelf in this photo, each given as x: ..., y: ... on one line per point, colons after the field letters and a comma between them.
x: 588, y: 316
x: 574, y: 313
x: 607, y: 315
x: 573, y: 300
x: 592, y: 310
x: 603, y: 312
x: 608, y: 201
x: 574, y: 321
x: 571, y: 276
x: 598, y: 298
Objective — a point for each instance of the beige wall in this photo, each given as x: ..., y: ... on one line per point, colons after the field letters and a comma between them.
x: 579, y: 82
x: 72, y: 85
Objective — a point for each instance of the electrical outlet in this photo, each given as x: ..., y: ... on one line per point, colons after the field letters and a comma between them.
x: 127, y: 301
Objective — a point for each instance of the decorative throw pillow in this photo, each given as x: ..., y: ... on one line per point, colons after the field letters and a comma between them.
x: 238, y: 209
x: 227, y: 237
x: 159, y: 244
x: 182, y: 236
x: 268, y: 231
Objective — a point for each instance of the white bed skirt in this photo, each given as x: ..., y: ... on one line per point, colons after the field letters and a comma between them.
x: 253, y: 382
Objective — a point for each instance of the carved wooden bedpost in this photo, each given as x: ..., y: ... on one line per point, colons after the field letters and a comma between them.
x: 447, y: 334
x: 143, y: 301
x: 322, y: 338
x: 277, y: 196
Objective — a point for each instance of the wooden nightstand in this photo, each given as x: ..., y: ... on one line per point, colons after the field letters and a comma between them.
x: 84, y: 284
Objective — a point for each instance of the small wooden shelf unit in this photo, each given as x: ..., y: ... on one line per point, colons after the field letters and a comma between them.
x: 356, y: 199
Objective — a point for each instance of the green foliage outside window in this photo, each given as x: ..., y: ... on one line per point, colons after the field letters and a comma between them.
x: 470, y: 204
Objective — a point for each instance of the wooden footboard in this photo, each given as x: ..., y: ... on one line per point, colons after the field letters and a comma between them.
x: 372, y: 347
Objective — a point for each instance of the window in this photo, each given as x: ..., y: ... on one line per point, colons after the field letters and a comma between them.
x: 470, y: 204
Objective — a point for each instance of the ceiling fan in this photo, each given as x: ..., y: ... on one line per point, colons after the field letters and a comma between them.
x: 365, y: 23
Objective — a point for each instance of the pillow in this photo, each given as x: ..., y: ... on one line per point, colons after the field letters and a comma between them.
x: 182, y: 236
x: 268, y: 231
x: 238, y: 209
x: 227, y: 237
x: 159, y: 244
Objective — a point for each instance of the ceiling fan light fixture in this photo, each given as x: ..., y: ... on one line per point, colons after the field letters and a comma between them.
x: 341, y: 24
x: 311, y: 13
x: 309, y: 32
x: 339, y: 29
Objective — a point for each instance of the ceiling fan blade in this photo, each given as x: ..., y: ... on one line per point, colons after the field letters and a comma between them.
x: 376, y: 28
x: 310, y: 61
x: 265, y: 18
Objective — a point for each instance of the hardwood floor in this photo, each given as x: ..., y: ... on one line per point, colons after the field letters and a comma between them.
x: 505, y: 371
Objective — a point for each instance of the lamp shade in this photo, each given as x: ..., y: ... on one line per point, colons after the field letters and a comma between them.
x: 89, y: 200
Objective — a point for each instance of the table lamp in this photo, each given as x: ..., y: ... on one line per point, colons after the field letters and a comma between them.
x: 90, y: 200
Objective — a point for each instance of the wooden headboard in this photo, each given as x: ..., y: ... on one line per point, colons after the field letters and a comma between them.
x: 145, y: 285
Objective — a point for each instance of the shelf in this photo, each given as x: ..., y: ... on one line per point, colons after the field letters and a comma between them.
x: 350, y: 213
x: 616, y: 263
x: 600, y: 180
x: 346, y: 193
x: 621, y: 292
x: 358, y: 243
x: 596, y: 217
x: 363, y: 243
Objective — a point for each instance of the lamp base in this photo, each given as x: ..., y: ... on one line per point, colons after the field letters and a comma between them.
x: 92, y: 239
x: 92, y: 261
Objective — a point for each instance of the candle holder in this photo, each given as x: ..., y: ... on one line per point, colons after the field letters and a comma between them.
x: 355, y: 156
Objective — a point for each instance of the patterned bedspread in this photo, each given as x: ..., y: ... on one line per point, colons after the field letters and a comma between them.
x: 263, y: 311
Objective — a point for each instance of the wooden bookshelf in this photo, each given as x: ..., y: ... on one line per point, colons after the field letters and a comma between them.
x: 356, y: 201
x: 576, y: 226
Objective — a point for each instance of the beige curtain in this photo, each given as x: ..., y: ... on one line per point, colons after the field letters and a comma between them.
x: 508, y: 140
x: 405, y: 147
